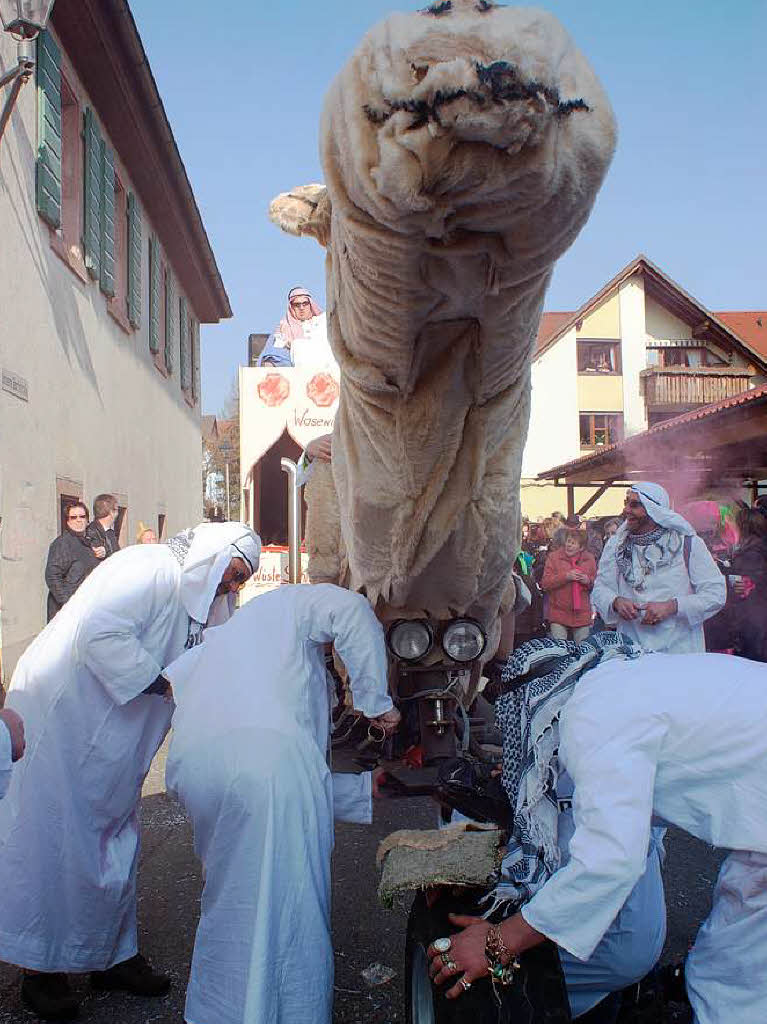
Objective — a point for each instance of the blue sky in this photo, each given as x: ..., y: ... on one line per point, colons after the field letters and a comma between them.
x: 687, y: 186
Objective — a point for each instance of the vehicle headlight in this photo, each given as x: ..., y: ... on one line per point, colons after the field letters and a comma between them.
x: 463, y: 640
x: 410, y: 639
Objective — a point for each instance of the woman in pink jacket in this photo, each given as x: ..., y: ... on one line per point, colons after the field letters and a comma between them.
x: 567, y: 580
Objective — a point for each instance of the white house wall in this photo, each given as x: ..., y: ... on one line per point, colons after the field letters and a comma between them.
x: 98, y: 412
x: 554, y: 436
x: 633, y: 353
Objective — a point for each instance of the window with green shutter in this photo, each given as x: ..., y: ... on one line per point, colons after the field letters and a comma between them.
x: 93, y: 194
x: 134, y: 261
x: 155, y: 281
x: 183, y: 343
x: 107, y: 230
x: 48, y: 169
x: 170, y: 322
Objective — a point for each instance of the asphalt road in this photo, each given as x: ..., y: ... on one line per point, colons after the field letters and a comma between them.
x: 364, y: 933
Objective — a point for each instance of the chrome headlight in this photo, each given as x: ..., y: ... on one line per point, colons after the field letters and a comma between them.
x: 463, y: 640
x: 410, y: 639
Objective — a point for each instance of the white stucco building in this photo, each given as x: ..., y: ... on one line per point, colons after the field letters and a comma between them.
x: 639, y: 351
x: 106, y: 274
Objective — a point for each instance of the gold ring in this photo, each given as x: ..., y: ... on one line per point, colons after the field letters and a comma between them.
x: 464, y: 983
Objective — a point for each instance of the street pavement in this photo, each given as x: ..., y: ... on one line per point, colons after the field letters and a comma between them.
x: 364, y: 933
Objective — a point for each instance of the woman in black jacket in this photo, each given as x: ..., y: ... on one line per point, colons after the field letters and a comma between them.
x: 70, y: 559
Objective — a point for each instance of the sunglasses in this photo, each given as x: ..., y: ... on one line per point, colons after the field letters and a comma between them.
x: 300, y: 305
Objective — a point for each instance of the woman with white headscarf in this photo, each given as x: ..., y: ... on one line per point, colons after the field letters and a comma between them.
x: 91, y: 692
x: 657, y: 581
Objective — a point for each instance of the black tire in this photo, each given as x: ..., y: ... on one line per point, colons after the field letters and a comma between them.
x: 539, y: 997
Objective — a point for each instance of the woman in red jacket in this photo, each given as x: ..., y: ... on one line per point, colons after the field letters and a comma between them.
x: 567, y: 579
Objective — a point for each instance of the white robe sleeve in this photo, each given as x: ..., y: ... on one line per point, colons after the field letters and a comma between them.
x: 109, y: 636
x: 613, y: 765
x: 6, y: 755
x: 353, y: 798
x: 605, y: 588
x: 346, y: 620
x: 709, y: 587
x: 304, y: 468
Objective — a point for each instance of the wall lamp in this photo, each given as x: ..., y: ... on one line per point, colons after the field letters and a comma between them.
x: 24, y: 19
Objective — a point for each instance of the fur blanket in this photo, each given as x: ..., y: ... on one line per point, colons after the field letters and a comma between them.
x: 463, y: 147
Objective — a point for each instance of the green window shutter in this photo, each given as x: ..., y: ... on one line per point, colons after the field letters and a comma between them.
x: 183, y: 343
x: 107, y: 234
x: 134, y: 261
x: 48, y: 168
x: 170, y: 323
x: 194, y: 351
x: 92, y: 194
x: 155, y: 279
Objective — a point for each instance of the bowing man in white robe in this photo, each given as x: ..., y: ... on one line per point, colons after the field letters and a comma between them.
x: 248, y: 760
x: 657, y: 581
x: 682, y: 737
x: 69, y: 828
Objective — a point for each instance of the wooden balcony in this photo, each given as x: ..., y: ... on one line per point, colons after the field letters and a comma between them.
x: 682, y: 387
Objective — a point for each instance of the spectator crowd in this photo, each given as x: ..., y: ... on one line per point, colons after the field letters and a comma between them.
x: 581, y: 579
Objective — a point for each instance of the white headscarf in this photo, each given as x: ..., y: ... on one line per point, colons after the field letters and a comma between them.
x: 658, y: 507
x: 204, y: 554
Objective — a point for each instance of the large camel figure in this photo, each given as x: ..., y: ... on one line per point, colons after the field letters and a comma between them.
x: 463, y: 147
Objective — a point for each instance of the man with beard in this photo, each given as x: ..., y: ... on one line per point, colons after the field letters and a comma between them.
x: 657, y: 581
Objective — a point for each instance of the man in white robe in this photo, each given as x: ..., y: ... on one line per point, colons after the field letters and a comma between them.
x: 90, y: 689
x: 11, y: 745
x: 248, y: 760
x: 657, y: 581
x: 682, y: 737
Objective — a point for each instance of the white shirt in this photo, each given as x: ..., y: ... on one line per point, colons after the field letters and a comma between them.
x: 699, y: 595
x: 6, y: 752
x: 679, y: 736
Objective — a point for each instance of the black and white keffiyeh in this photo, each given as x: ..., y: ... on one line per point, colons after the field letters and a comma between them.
x: 528, y: 718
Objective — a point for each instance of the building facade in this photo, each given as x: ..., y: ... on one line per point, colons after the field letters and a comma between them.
x: 106, y: 274
x: 638, y: 352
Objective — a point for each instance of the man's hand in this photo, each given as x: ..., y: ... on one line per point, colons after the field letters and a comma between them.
x: 100, y: 551
x: 320, y: 448
x: 658, y: 611
x: 389, y: 721
x: 15, y: 725
x: 626, y: 609
x: 465, y: 958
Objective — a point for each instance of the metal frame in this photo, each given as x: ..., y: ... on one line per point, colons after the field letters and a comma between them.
x: 16, y: 78
x: 294, y: 520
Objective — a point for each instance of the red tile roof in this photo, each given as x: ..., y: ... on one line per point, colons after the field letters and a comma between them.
x: 704, y: 412
x: 751, y: 326
x: 548, y: 327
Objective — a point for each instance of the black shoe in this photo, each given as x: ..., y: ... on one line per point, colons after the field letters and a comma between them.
x: 134, y: 975
x: 49, y: 996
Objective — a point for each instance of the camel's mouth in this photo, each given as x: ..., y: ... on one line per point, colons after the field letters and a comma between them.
x: 498, y: 84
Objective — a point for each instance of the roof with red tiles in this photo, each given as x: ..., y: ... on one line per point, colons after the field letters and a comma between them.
x: 750, y: 325
x: 753, y: 396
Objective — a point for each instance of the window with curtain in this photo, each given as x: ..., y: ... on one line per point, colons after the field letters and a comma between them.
x: 596, y: 356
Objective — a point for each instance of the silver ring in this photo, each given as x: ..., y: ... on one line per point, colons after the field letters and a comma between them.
x: 441, y: 945
x: 464, y: 983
